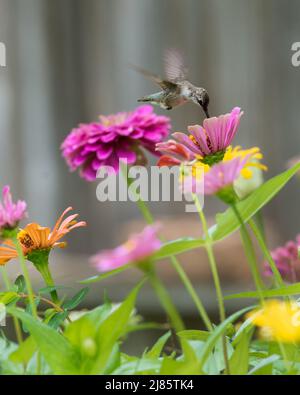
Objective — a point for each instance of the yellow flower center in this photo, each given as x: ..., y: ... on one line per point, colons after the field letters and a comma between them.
x: 129, y: 245
x: 112, y: 119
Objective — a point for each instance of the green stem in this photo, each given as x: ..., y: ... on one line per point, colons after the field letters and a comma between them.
x: 47, y: 276
x: 165, y: 300
x: 261, y: 241
x: 193, y: 294
x: 15, y: 319
x: 40, y: 259
x: 250, y: 254
x: 215, y: 274
x: 284, y: 356
x: 26, y: 276
x: 180, y: 271
x: 177, y: 266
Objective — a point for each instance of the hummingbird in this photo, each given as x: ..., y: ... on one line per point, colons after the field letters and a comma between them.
x: 176, y: 88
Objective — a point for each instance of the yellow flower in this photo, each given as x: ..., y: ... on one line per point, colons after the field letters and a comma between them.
x: 278, y: 320
x: 254, y: 154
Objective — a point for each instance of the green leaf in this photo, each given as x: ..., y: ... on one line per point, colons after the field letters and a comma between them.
x: 246, y: 326
x: 7, y: 367
x: 194, y: 335
x: 8, y: 297
x: 114, y: 360
x: 57, y: 351
x: 264, y: 366
x: 217, y: 333
x: 76, y: 300
x: 25, y: 351
x: 48, y: 290
x: 239, y: 360
x: 112, y: 329
x: 178, y: 246
x: 174, y: 367
x: 293, y: 289
x: 20, y: 284
x: 100, y: 277
x: 139, y: 366
x: 57, y: 319
x: 189, y: 352
x: 156, y: 350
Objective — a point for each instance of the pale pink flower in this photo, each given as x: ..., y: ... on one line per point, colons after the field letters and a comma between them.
x: 10, y: 213
x: 137, y: 249
x: 223, y: 175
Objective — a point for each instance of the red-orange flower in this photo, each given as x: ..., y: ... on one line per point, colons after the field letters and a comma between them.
x: 35, y: 237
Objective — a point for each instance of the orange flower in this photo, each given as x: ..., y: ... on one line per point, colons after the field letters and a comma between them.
x: 35, y: 237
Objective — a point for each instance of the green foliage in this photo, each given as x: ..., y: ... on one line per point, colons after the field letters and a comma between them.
x: 89, y: 345
x: 64, y: 360
x: 76, y: 300
x: 289, y: 290
x: 92, y: 343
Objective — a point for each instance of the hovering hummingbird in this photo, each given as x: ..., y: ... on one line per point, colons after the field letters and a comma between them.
x: 176, y: 89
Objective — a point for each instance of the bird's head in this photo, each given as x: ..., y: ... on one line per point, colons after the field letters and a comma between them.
x: 201, y: 98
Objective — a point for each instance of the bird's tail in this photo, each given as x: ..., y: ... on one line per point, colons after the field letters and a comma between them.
x: 145, y: 99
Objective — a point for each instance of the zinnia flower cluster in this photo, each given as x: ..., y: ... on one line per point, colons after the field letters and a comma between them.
x: 208, y: 147
x: 112, y: 138
x: 287, y: 260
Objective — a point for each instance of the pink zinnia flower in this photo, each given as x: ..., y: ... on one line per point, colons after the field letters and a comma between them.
x: 214, y: 136
x: 10, y: 213
x: 217, y: 178
x: 114, y: 137
x: 136, y: 250
x: 223, y: 175
x: 176, y: 153
x: 287, y: 260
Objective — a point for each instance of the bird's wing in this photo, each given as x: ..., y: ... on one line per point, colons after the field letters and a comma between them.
x: 175, y: 68
x: 163, y: 83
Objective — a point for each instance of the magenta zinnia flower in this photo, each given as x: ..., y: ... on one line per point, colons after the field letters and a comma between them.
x: 114, y: 137
x: 287, y: 260
x: 136, y: 250
x: 214, y: 136
x: 10, y: 213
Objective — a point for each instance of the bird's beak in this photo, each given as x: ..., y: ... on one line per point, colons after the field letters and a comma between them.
x: 205, y: 109
x: 206, y: 112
